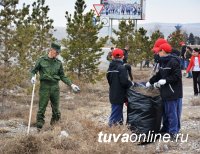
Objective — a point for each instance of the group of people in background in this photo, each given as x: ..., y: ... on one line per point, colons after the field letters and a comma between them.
x: 168, y: 67
x: 194, y: 66
x: 190, y: 63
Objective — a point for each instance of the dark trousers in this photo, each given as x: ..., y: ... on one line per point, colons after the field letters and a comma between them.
x: 196, y: 82
x: 128, y: 68
x: 116, y: 116
x: 146, y: 64
x: 182, y: 63
x: 171, y: 116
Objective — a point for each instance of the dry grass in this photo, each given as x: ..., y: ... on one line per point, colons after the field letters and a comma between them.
x: 195, y: 101
x: 85, y: 141
x: 4, y: 130
x: 80, y: 118
x: 141, y: 76
x: 24, y: 144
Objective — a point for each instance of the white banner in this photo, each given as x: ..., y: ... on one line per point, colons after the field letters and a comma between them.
x: 124, y: 9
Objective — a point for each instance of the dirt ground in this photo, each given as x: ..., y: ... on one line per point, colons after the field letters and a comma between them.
x: 84, y: 116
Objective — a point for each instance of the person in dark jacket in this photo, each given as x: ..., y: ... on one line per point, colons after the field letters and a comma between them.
x: 175, y: 52
x: 118, y: 84
x: 183, y: 50
x: 188, y: 55
x: 109, y: 56
x: 169, y: 80
x: 125, y: 60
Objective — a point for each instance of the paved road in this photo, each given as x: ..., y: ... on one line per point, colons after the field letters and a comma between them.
x: 104, y: 63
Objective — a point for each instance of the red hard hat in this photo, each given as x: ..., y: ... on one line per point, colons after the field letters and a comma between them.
x: 166, y: 47
x: 118, y: 53
x: 159, y: 42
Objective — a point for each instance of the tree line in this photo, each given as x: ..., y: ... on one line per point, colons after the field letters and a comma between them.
x: 26, y: 34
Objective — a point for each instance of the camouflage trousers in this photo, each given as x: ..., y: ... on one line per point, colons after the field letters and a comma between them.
x: 48, y: 91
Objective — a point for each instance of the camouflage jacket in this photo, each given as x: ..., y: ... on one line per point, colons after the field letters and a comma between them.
x: 50, y: 70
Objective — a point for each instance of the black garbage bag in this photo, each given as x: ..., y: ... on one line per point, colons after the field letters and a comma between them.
x: 144, y: 112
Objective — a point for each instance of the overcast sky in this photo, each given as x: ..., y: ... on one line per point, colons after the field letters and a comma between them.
x: 164, y: 11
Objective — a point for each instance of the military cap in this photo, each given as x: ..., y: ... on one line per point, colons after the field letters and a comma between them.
x: 56, y: 46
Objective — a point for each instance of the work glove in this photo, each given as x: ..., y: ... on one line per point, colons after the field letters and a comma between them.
x: 162, y: 81
x: 148, y: 84
x: 156, y: 85
x: 75, y: 88
x: 33, y: 80
x: 184, y: 73
x: 187, y: 75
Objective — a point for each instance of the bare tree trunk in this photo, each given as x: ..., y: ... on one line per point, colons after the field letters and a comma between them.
x: 4, y: 93
x: 79, y: 71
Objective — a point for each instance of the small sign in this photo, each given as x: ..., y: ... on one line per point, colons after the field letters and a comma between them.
x: 98, y: 8
x: 105, y: 21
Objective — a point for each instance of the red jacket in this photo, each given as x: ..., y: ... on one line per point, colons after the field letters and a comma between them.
x: 191, y: 64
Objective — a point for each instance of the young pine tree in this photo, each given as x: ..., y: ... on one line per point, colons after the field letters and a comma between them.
x: 154, y: 36
x: 124, y: 35
x: 24, y: 37
x: 8, y: 16
x: 44, y: 28
x: 82, y: 46
x: 141, y: 47
x: 175, y: 38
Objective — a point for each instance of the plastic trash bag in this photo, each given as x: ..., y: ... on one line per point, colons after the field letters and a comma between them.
x: 144, y: 112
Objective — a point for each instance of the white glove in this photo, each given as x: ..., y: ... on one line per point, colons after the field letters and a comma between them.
x: 184, y: 73
x: 148, y: 84
x: 33, y: 80
x: 75, y: 88
x: 156, y: 85
x: 133, y: 83
x: 187, y: 75
x: 162, y: 81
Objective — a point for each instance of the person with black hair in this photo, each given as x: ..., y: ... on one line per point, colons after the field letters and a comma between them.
x: 194, y: 65
x: 125, y: 60
x: 109, y: 56
x: 183, y: 50
x: 188, y: 55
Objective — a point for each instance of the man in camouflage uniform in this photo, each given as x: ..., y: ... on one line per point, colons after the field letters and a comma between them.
x: 51, y: 71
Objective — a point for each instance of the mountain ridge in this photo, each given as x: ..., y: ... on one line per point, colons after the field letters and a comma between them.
x: 165, y: 28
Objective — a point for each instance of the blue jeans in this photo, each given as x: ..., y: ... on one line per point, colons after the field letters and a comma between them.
x: 186, y: 63
x: 116, y: 116
x: 171, y: 116
x: 182, y: 64
x: 189, y: 75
